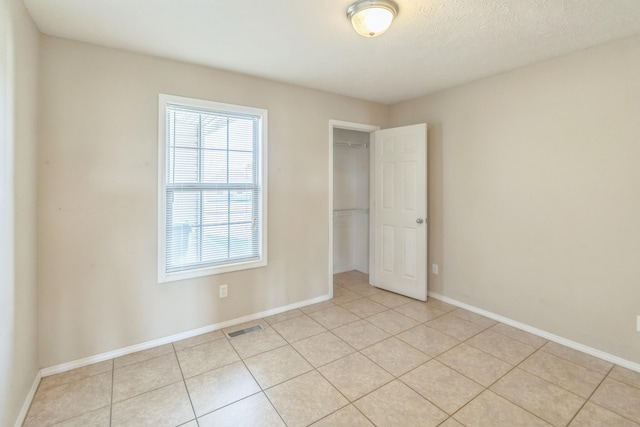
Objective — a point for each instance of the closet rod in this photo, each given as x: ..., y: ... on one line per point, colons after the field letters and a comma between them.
x: 342, y: 212
x: 350, y: 144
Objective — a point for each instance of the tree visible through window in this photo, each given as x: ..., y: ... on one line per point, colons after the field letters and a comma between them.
x: 213, y: 188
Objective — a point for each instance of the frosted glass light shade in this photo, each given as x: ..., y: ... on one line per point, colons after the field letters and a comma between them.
x: 371, y: 18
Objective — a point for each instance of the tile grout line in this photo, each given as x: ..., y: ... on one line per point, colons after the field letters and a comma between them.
x: 232, y: 403
x: 262, y: 390
x: 336, y: 389
x: 224, y: 337
x: 352, y: 403
x: 542, y: 379
x: 184, y: 383
x: 312, y: 335
x: 155, y: 387
x: 272, y: 405
x: 313, y: 368
x: 386, y: 370
x: 620, y: 382
x: 434, y: 403
x: 317, y: 370
x: 465, y: 375
x: 562, y: 386
x: 493, y: 355
x: 71, y: 382
x: 493, y: 328
x: 456, y: 338
x: 359, y: 351
x: 607, y: 409
x: 488, y: 388
x: 591, y: 395
x: 394, y: 378
x: 240, y: 359
x: 576, y: 363
x: 458, y: 342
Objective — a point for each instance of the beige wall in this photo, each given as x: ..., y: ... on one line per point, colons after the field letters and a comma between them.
x: 97, y: 195
x: 18, y: 293
x: 533, y: 197
x: 534, y: 194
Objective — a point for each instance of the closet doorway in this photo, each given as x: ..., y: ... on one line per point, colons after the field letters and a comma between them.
x: 351, y: 199
x: 378, y: 205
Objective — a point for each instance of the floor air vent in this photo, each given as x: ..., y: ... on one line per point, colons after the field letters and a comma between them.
x: 244, y: 331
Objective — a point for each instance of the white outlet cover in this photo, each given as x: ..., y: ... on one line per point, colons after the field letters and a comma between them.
x: 638, y: 325
x: 434, y: 269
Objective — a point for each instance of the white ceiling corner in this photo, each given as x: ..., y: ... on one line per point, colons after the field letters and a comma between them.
x: 432, y: 44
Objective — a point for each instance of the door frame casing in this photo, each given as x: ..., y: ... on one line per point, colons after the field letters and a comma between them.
x: 360, y: 127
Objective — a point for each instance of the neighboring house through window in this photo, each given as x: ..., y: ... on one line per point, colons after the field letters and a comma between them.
x: 212, y: 188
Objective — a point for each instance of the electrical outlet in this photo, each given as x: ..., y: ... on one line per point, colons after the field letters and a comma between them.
x: 434, y: 269
x: 223, y: 291
x: 638, y: 324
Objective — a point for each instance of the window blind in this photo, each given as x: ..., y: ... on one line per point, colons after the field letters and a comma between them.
x: 212, y: 184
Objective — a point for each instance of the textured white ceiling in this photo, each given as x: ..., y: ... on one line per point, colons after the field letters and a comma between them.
x: 432, y: 44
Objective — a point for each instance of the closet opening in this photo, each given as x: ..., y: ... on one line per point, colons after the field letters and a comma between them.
x: 351, y: 202
x: 378, y: 208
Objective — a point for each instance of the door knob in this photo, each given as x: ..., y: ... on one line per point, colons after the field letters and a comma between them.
x: 419, y: 220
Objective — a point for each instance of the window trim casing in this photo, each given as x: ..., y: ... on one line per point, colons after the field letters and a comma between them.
x: 163, y: 101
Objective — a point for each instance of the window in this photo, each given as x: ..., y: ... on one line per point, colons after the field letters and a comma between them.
x: 212, y: 188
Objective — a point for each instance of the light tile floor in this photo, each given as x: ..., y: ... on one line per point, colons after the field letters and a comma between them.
x: 367, y: 357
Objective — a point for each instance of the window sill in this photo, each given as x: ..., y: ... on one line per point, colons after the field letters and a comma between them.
x: 164, y: 277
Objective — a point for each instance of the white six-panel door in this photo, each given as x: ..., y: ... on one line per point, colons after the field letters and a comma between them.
x: 400, y: 219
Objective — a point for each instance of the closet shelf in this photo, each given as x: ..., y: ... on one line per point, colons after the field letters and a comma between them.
x: 344, y: 212
x: 348, y: 144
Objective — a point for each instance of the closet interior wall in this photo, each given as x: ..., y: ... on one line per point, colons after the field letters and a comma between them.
x: 351, y: 159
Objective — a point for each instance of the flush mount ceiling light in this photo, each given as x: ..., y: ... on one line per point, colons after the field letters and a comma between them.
x: 371, y: 18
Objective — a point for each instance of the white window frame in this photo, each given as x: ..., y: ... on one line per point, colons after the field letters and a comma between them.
x: 163, y: 101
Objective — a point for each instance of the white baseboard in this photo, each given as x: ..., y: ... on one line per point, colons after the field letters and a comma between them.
x: 362, y: 268
x: 27, y: 402
x: 51, y: 370
x: 539, y: 332
x: 359, y: 268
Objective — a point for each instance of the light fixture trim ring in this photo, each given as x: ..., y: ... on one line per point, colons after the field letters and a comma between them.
x: 361, y: 5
